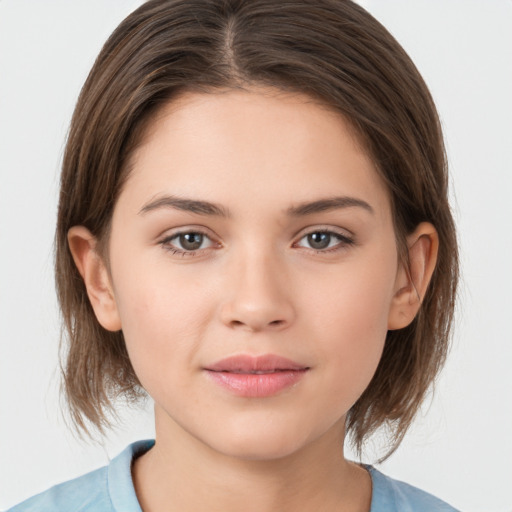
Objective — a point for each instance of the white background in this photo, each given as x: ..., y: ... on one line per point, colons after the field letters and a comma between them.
x: 460, y: 448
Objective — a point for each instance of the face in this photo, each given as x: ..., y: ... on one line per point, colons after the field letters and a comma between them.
x: 253, y: 266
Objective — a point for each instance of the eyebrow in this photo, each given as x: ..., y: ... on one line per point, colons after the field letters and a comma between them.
x: 207, y: 208
x: 330, y: 203
x: 184, y: 204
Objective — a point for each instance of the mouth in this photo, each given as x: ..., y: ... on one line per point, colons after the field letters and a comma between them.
x: 244, y: 363
x: 258, y: 372
x: 256, y: 376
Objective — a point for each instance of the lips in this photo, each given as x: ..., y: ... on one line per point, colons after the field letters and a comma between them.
x: 256, y: 376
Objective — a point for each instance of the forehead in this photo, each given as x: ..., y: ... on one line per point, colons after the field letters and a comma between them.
x: 240, y: 146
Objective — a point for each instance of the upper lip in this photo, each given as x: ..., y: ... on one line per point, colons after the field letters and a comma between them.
x: 245, y: 363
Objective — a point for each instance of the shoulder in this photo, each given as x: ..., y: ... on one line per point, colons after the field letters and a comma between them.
x: 107, y: 489
x: 391, y: 495
x: 85, y: 493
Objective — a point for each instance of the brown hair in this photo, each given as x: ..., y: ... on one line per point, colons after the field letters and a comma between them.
x: 331, y: 50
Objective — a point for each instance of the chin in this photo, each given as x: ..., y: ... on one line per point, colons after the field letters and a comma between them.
x: 261, y: 451
x: 261, y: 445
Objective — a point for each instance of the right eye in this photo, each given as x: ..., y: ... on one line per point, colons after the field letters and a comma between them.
x: 186, y: 243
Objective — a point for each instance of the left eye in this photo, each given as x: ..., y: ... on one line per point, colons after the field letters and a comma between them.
x: 189, y: 241
x: 320, y: 240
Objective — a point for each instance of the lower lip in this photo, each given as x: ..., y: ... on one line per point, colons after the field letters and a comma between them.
x: 256, y: 385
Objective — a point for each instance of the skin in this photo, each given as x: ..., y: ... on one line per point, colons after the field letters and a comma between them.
x: 256, y: 285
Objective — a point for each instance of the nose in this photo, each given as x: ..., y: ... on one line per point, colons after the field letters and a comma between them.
x: 257, y: 295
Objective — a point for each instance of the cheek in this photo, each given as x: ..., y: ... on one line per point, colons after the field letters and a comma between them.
x: 163, y: 318
x: 351, y: 316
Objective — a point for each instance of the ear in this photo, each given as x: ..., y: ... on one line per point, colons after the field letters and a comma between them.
x: 94, y: 272
x: 411, y: 283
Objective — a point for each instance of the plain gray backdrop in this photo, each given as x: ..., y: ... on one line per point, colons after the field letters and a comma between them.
x: 460, y: 447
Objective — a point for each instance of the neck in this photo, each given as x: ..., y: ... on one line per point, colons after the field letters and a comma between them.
x: 182, y: 473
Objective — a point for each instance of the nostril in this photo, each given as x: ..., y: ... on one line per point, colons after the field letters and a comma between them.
x: 274, y: 323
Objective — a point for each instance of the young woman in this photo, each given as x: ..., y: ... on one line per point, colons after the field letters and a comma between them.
x: 254, y: 230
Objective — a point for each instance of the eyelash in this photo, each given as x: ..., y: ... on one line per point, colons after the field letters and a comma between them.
x: 166, y: 243
x: 344, y: 241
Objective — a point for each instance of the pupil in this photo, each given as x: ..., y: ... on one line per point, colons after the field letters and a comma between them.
x: 319, y: 240
x: 191, y: 241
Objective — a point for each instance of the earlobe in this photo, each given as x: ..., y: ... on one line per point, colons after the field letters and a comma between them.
x: 411, y: 283
x: 94, y: 272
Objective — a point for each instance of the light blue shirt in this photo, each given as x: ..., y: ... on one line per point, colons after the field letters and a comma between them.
x: 110, y: 489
